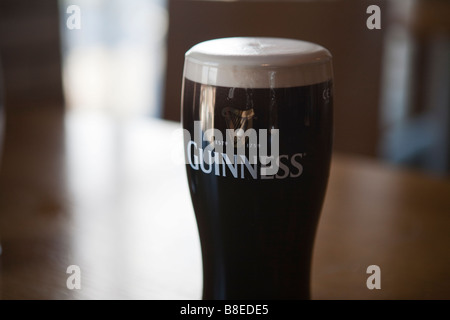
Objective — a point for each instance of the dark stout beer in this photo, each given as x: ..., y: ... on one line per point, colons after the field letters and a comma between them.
x: 257, y: 230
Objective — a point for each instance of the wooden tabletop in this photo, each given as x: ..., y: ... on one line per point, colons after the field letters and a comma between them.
x: 107, y: 195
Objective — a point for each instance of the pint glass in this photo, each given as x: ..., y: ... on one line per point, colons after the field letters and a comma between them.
x: 257, y: 116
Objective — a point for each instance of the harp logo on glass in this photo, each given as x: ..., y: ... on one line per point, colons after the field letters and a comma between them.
x: 237, y: 119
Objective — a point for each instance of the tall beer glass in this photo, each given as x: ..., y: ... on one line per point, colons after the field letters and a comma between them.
x: 257, y: 114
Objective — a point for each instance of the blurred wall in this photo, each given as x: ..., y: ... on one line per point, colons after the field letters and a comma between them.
x: 30, y: 51
x: 339, y: 26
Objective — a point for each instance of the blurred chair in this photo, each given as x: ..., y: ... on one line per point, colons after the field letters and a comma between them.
x: 338, y: 25
x: 416, y: 125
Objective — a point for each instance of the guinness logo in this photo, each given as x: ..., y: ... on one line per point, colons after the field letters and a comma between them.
x: 238, y: 121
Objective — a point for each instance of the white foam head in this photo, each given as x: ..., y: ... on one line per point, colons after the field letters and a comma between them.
x: 258, y: 63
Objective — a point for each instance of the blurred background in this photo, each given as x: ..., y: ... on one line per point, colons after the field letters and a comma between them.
x: 125, y: 59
